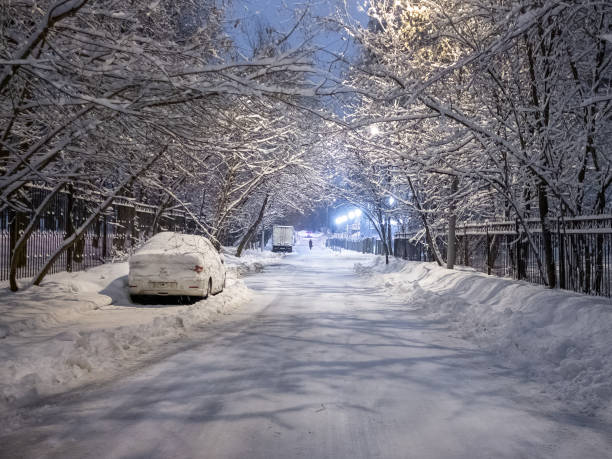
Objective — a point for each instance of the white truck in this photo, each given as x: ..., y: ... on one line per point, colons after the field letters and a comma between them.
x: 282, y: 238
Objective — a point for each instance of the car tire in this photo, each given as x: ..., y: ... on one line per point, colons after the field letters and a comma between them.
x: 136, y: 299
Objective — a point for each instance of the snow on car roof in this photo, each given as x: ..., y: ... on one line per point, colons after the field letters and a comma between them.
x: 175, y: 243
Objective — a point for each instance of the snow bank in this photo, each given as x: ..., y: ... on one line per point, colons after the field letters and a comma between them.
x: 77, y: 328
x: 251, y: 261
x: 558, y: 338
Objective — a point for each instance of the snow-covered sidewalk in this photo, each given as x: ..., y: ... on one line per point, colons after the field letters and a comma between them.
x: 558, y: 338
x: 79, y: 328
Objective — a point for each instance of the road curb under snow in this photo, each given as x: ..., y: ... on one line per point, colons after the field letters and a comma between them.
x: 558, y: 338
x: 78, y: 328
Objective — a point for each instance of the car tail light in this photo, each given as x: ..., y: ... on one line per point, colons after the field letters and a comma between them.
x: 133, y: 286
x: 198, y: 269
x: 194, y: 286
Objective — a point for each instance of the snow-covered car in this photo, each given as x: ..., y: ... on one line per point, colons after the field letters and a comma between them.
x: 174, y: 264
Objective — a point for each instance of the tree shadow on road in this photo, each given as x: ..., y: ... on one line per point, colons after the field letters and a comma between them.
x: 282, y: 368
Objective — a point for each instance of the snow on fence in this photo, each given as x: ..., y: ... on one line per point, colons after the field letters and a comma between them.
x: 582, y: 248
x: 111, y: 236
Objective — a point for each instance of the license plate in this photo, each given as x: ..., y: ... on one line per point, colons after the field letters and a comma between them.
x: 163, y: 284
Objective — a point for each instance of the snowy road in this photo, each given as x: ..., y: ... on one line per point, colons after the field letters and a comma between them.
x: 319, y: 365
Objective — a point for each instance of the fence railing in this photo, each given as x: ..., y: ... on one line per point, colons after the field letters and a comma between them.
x: 582, y: 251
x: 367, y: 245
x: 112, y: 235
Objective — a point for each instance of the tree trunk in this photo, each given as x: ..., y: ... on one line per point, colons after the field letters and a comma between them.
x: 69, y: 226
x: 382, y: 222
x: 220, y: 214
x: 451, y: 255
x: 18, y: 255
x: 549, y: 260
x: 251, y: 231
x: 430, y: 241
x: 23, y: 239
x: 263, y: 237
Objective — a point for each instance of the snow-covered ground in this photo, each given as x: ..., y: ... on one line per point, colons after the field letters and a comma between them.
x: 324, y: 362
x: 251, y: 261
x: 560, y: 339
x: 79, y: 328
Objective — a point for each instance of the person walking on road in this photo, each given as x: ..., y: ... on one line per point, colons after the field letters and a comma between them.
x: 310, y: 244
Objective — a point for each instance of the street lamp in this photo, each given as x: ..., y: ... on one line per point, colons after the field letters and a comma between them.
x: 353, y: 214
x: 340, y: 220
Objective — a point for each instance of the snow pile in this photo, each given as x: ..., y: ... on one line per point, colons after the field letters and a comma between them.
x: 77, y: 328
x: 556, y: 337
x: 251, y: 261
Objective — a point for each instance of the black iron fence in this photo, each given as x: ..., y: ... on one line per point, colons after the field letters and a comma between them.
x: 582, y: 251
x: 367, y: 245
x: 113, y: 235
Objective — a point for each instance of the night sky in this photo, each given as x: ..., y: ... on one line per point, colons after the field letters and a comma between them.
x: 281, y: 15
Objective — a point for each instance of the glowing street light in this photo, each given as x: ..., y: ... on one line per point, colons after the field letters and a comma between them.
x: 391, y: 200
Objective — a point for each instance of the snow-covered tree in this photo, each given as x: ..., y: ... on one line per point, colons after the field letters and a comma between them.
x: 504, y: 103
